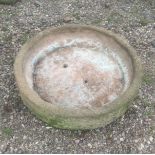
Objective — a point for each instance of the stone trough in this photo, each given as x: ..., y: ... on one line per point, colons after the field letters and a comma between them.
x: 77, y: 76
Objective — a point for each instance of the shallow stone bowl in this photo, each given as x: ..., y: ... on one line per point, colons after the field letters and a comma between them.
x: 77, y: 76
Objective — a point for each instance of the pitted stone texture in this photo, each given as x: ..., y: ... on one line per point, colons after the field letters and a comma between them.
x: 76, y: 77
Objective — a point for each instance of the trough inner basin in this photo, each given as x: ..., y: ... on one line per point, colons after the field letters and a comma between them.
x: 78, y: 68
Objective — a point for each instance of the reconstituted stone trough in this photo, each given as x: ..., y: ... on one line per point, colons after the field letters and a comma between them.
x: 77, y: 76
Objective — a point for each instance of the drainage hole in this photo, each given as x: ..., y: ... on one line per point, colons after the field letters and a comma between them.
x: 85, y: 81
x: 65, y: 65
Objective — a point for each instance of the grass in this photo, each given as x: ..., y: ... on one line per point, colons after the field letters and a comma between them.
x: 149, y: 111
x: 8, y: 38
x: 4, y: 13
x: 115, y: 17
x: 8, y: 2
x: 24, y: 37
x: 76, y: 15
x: 143, y: 21
x: 136, y: 12
x: 146, y: 103
x: 152, y: 131
x: 4, y: 29
x: 97, y: 21
x: 148, y: 79
x: 7, y: 131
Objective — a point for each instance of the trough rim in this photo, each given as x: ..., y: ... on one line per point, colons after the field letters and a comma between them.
x: 49, y: 110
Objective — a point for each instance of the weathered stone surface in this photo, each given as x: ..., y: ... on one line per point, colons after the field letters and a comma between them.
x: 77, y: 77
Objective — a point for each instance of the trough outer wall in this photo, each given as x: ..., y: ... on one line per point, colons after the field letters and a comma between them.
x: 111, y: 112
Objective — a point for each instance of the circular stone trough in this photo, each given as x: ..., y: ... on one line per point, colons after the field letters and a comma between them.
x: 77, y: 77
